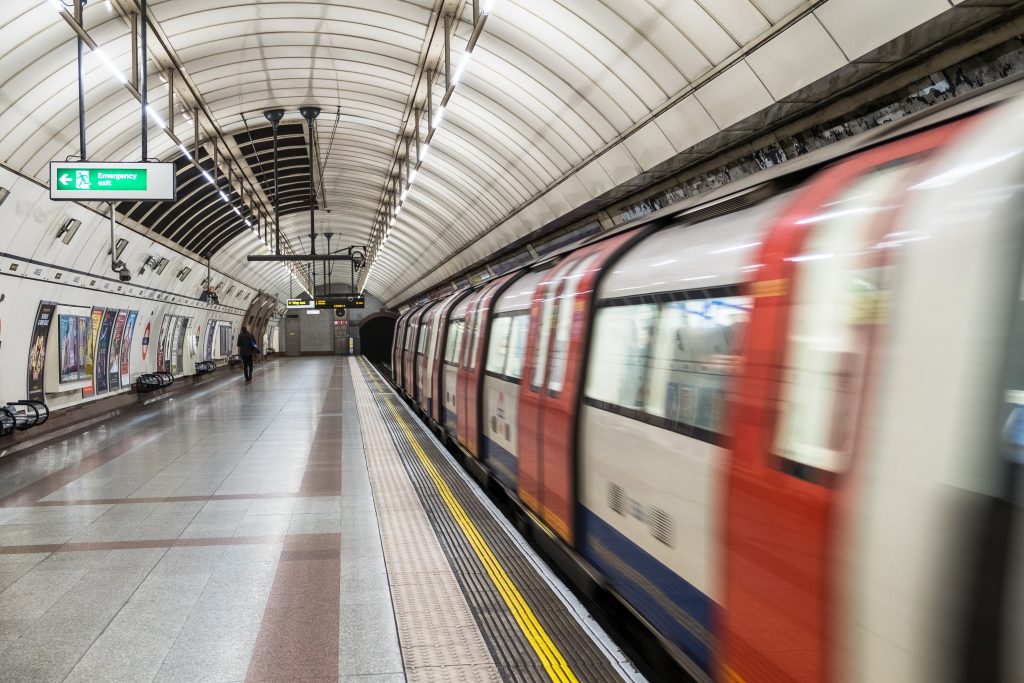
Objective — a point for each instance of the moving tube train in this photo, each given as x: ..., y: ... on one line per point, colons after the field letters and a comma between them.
x: 784, y: 425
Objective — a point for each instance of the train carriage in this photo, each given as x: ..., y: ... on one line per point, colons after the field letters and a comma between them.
x: 453, y: 353
x: 669, y: 320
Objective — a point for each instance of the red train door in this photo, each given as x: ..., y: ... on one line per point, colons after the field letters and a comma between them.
x: 560, y: 320
x: 396, y: 354
x: 409, y: 359
x: 478, y: 322
x: 422, y: 357
x: 818, y: 305
x: 469, y: 429
x: 463, y: 379
x: 437, y: 373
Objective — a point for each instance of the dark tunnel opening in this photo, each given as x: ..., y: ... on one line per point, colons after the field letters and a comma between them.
x: 375, y: 335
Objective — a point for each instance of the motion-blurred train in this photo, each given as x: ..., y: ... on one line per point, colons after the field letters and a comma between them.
x: 783, y: 424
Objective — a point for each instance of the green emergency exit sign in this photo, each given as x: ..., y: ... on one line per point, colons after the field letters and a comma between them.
x: 112, y: 181
x: 101, y: 179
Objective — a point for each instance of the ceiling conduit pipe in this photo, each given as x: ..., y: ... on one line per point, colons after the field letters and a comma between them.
x: 144, y: 80
x: 81, y: 84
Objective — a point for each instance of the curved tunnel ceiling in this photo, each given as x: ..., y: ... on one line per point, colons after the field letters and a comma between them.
x: 577, y: 95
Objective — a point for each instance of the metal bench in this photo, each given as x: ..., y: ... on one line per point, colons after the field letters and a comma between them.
x: 153, y: 380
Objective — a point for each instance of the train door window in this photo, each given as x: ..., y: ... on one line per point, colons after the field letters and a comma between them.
x: 696, y: 349
x: 454, y: 343
x: 839, y: 296
x: 408, y: 337
x: 550, y: 291
x: 517, y: 346
x: 422, y: 345
x: 435, y: 333
x: 478, y: 332
x: 563, y: 324
x: 618, y: 361
x: 498, y: 347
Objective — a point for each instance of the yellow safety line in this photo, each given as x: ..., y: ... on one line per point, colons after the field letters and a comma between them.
x: 546, y: 650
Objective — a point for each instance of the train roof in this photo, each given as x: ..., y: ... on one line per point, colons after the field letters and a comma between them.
x: 712, y: 253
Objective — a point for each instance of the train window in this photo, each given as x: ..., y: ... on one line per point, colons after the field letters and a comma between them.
x: 563, y: 324
x: 478, y: 332
x: 696, y: 348
x: 408, y: 337
x: 454, y: 342
x: 839, y: 296
x: 435, y: 333
x: 498, y: 347
x: 618, y: 361
x: 422, y: 345
x: 551, y: 289
x: 517, y: 346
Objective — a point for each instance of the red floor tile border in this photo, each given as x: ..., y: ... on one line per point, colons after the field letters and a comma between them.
x: 302, y: 540
x: 298, y: 638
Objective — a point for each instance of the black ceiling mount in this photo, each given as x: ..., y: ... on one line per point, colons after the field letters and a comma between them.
x: 356, y: 254
x: 275, y: 116
x: 310, y: 114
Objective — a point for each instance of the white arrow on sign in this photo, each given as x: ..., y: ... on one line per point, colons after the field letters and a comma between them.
x: 64, y: 179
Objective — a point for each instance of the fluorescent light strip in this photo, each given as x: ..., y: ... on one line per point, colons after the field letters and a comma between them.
x: 156, y: 117
x: 110, y: 65
x: 461, y: 68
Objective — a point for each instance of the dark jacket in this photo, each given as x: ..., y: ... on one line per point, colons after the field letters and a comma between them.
x: 246, y: 343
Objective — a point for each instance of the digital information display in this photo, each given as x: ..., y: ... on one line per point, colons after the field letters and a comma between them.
x: 111, y: 181
x: 332, y: 303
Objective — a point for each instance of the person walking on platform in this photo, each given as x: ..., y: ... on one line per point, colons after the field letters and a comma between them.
x: 246, y: 350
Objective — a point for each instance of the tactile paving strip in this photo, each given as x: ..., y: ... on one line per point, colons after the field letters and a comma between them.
x: 514, y: 655
x: 439, y: 637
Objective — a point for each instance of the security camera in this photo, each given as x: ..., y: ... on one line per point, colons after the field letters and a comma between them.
x: 124, y: 274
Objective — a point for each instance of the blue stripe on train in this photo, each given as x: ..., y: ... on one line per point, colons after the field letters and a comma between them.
x: 450, y: 423
x: 504, y: 465
x: 678, y: 610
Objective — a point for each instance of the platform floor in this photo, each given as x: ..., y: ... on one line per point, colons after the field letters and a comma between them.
x: 301, y: 527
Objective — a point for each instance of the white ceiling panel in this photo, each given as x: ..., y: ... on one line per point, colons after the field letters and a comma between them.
x: 561, y: 101
x: 800, y: 55
x: 860, y: 26
x: 734, y: 95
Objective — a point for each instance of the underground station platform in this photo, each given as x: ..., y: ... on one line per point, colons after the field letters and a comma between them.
x: 305, y: 526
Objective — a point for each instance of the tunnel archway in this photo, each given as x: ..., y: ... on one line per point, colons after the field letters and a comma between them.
x: 375, y: 335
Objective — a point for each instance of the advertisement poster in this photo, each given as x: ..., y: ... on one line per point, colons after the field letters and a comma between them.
x: 126, y: 349
x: 211, y: 330
x: 184, y: 328
x: 83, y: 347
x: 161, y: 344
x: 226, y: 340
x: 37, y: 350
x: 94, y: 333
x: 114, y: 355
x: 95, y: 322
x: 145, y: 341
x: 102, y: 348
x: 176, y: 339
x: 67, y: 337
